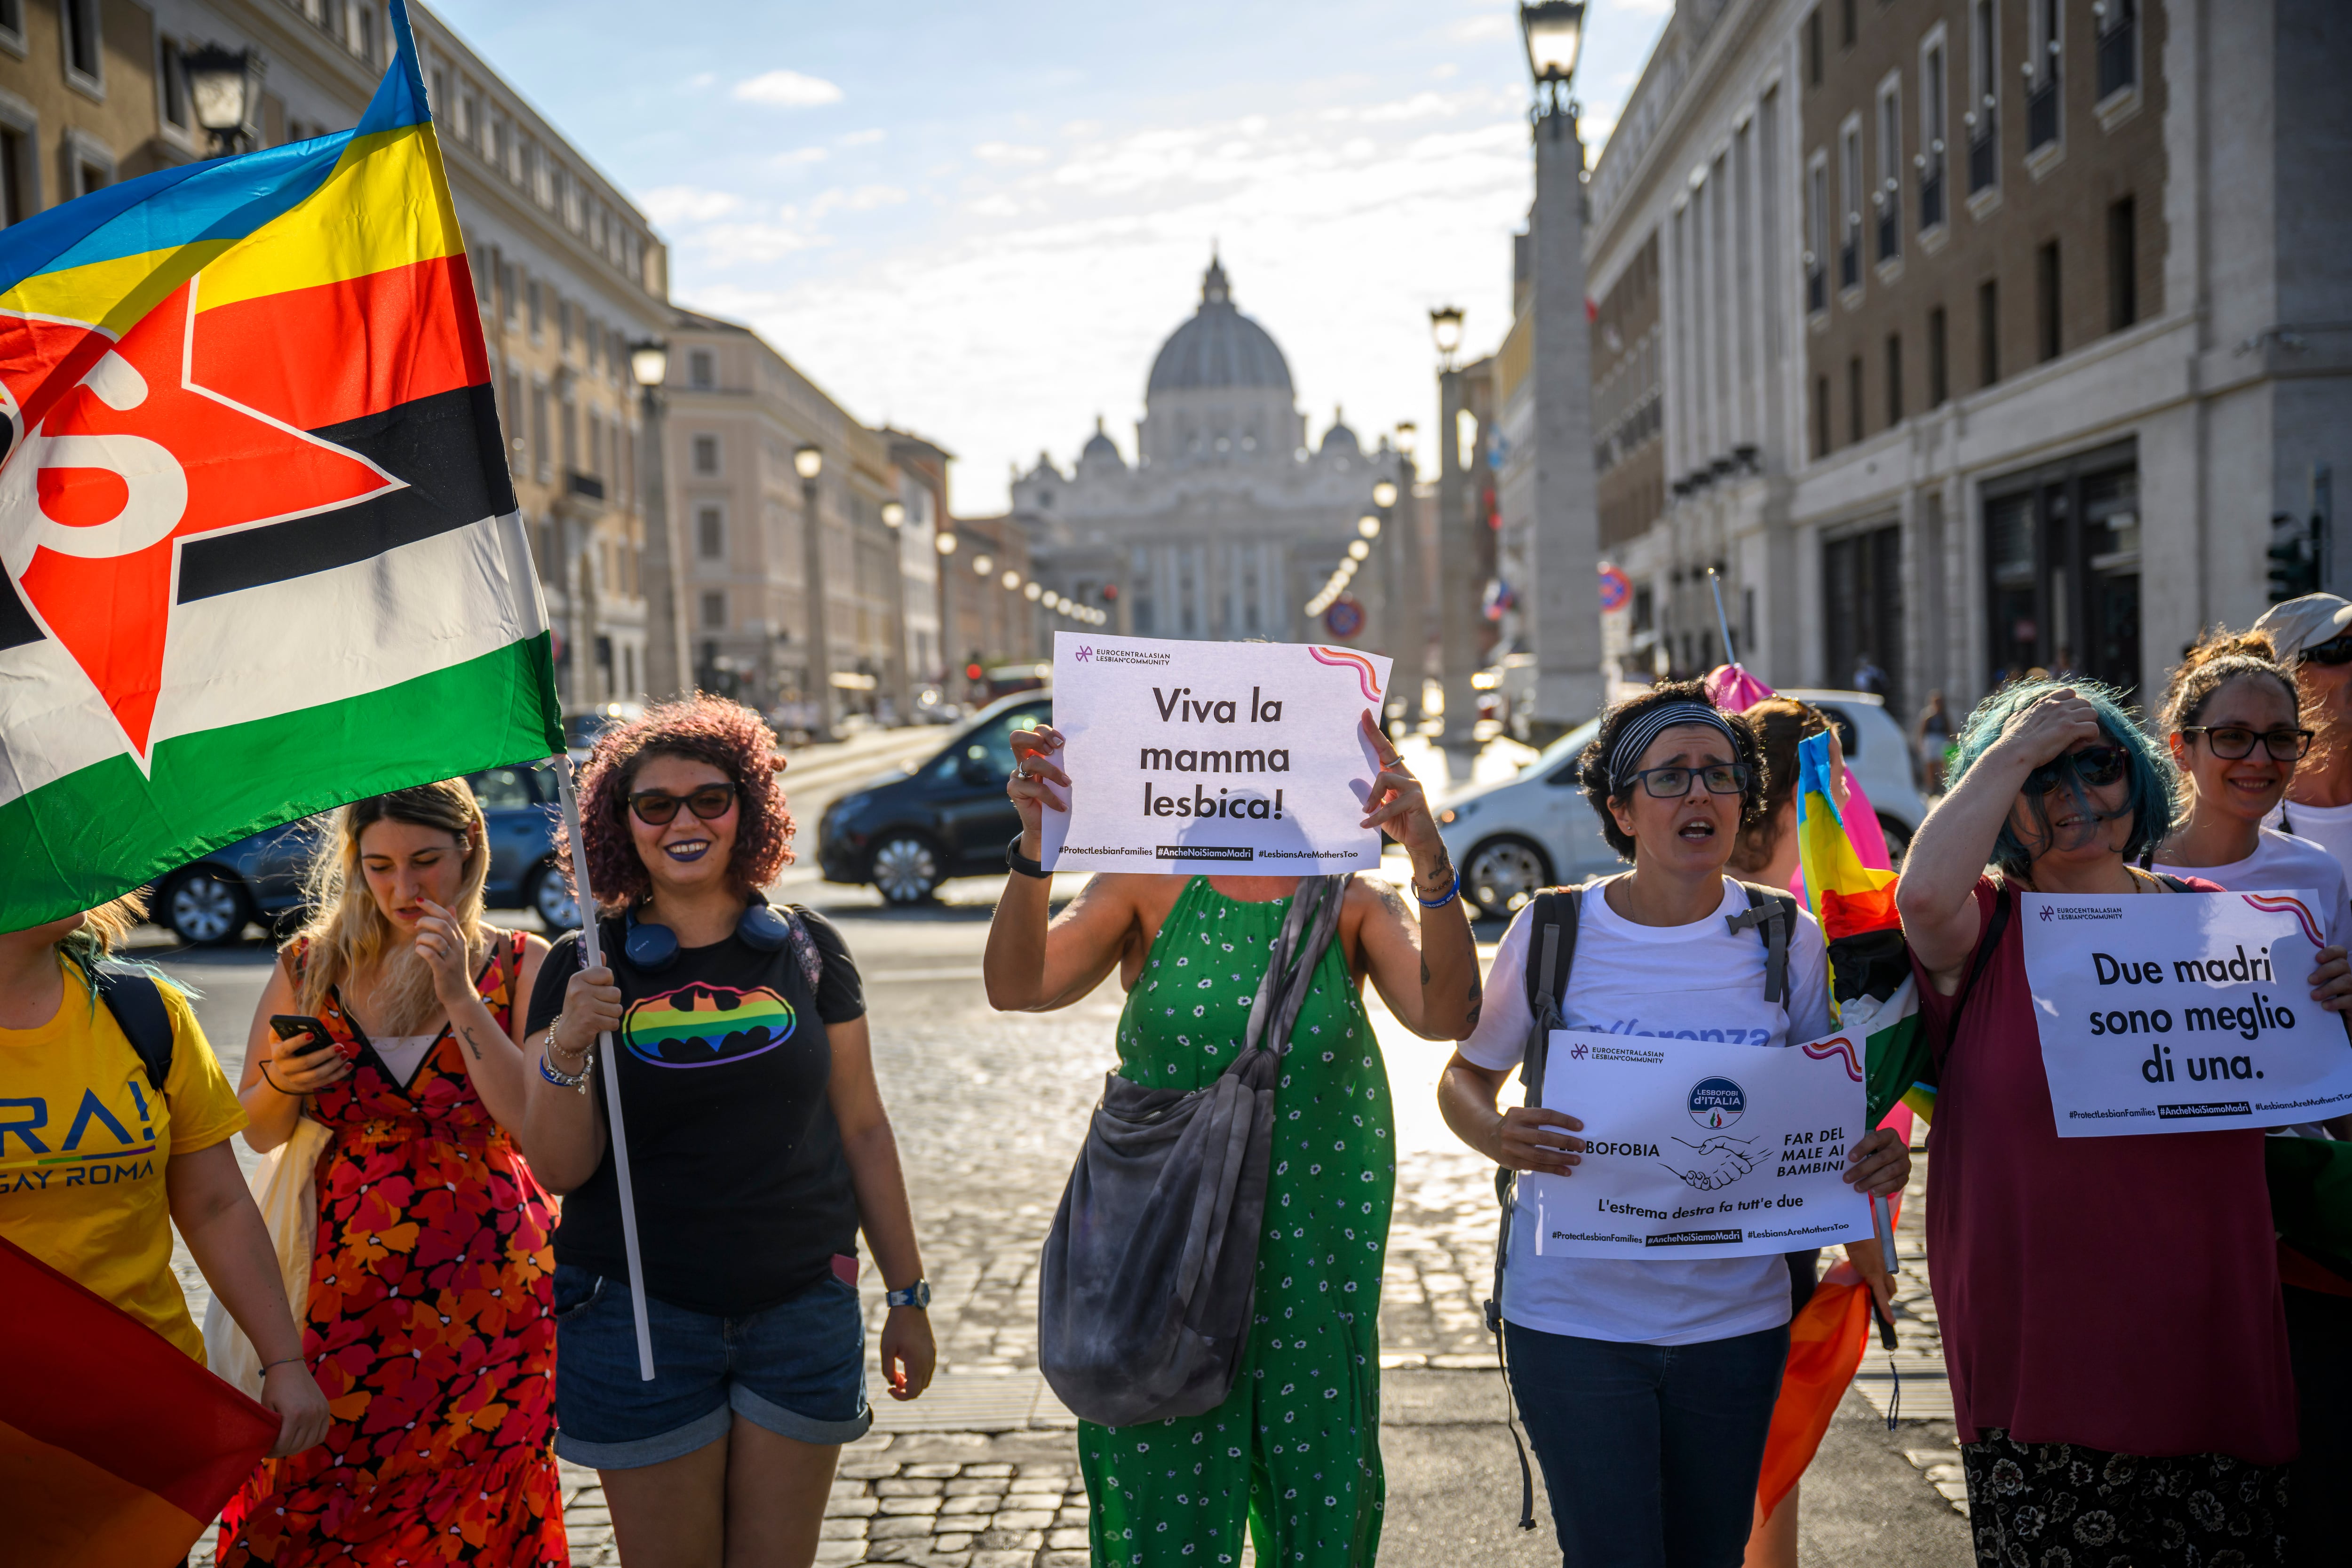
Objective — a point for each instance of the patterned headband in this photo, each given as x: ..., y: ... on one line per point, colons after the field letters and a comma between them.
x: 1635, y: 738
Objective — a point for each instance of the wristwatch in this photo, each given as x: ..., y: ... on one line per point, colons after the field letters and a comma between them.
x: 1022, y: 863
x: 918, y: 1295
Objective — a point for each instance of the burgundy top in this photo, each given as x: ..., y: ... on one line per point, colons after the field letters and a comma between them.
x: 2118, y: 1293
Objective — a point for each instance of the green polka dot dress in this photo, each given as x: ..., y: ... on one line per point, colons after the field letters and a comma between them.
x: 1297, y: 1446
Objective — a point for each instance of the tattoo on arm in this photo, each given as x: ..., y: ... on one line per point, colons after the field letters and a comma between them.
x: 1424, y: 969
x: 471, y: 1044
x: 1477, y: 995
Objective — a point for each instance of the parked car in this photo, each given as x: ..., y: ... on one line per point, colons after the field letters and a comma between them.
x: 212, y: 898
x: 1536, y: 831
x: 581, y: 727
x: 912, y: 828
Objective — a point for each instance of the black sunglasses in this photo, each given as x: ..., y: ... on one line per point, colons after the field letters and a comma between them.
x: 2095, y: 765
x: 2336, y: 649
x: 1674, y: 783
x: 2231, y: 742
x: 656, y: 808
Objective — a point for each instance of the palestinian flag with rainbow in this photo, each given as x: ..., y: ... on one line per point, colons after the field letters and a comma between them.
x: 261, y: 547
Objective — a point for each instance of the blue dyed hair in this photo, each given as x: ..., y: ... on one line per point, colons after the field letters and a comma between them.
x: 2154, y: 792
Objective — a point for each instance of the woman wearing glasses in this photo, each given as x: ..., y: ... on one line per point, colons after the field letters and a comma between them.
x: 1648, y: 1388
x: 2110, y: 1306
x: 759, y: 1149
x: 2311, y: 637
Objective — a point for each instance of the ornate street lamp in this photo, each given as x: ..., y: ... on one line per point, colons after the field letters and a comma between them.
x: 1445, y: 326
x: 224, y: 90
x: 668, y: 667
x: 808, y: 462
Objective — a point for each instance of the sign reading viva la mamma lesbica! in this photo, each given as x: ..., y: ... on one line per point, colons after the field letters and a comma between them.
x: 1698, y: 1149
x: 2186, y: 1012
x: 1247, y: 758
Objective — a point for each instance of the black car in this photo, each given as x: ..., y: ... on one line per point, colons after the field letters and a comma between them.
x: 908, y: 830
x: 212, y: 898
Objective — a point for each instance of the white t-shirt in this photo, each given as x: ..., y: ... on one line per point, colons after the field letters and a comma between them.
x: 1701, y: 982
x: 403, y: 1054
x: 2329, y: 826
x: 2282, y: 861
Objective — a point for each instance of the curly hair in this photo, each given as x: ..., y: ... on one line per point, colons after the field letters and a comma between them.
x: 1592, y: 770
x: 703, y: 729
x: 2155, y: 794
x: 2212, y: 662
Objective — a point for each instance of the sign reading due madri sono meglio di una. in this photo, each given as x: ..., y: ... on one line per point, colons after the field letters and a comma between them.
x: 1184, y: 757
x: 2182, y: 1013
x: 1698, y: 1149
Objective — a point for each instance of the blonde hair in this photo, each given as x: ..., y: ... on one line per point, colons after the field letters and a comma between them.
x: 347, y: 933
x: 103, y: 929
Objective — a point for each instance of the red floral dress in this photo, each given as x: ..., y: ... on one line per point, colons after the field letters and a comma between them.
x: 429, y: 1329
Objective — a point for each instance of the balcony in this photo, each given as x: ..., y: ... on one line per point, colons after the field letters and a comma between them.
x: 1931, y: 196
x: 588, y: 486
x: 1817, y: 290
x: 1890, y: 229
x: 1984, y: 153
x: 2042, y: 113
x: 1850, y: 262
x: 582, y: 497
x: 2119, y: 56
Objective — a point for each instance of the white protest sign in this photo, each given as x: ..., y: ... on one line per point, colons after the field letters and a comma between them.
x: 1246, y: 758
x: 1696, y: 1149
x: 2186, y: 1012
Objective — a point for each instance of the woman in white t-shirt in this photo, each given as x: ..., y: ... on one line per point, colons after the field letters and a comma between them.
x: 1647, y: 1388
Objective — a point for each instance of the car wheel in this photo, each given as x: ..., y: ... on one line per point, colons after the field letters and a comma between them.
x: 1503, y: 873
x: 203, y: 908
x: 551, y: 901
x: 1898, y: 840
x: 906, y: 869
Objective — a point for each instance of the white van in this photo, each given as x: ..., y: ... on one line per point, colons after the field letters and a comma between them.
x: 1515, y: 838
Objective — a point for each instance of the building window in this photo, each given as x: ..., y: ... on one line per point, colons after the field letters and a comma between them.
x: 1817, y: 233
x: 1853, y: 398
x: 1846, y: 23
x: 1813, y: 48
x: 12, y: 22
x: 2048, y: 320
x: 2123, y: 266
x: 1862, y: 603
x: 1821, y: 416
x: 1988, y: 333
x: 1940, y: 376
x: 2118, y: 46
x: 700, y: 371
x: 1850, y: 177
x: 706, y: 455
x: 1888, y: 196
x: 1984, y: 88
x: 563, y: 322
x: 517, y: 461
x: 509, y: 292
x: 84, y: 44
x: 2061, y: 551
x: 714, y: 612
x: 542, y: 452
x: 1894, y: 378
x: 1932, y: 125
x: 16, y: 204
x: 532, y: 307
x: 711, y: 533
x: 172, y: 81
x: 2042, y: 104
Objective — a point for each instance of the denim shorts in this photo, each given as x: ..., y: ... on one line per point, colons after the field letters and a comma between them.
x: 798, y: 1369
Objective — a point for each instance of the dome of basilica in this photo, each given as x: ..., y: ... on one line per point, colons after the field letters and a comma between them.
x: 1219, y: 347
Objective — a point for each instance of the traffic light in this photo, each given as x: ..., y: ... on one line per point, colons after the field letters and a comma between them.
x: 2295, y: 558
x: 1110, y: 593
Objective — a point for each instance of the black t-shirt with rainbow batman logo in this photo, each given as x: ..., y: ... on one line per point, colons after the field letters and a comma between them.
x: 744, y: 1194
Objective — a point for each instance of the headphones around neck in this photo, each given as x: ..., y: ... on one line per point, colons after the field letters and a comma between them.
x: 650, y: 949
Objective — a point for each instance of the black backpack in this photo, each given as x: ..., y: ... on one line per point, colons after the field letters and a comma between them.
x: 1552, y: 926
x: 131, y: 994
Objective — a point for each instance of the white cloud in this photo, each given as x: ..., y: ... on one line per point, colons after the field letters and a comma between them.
x: 1004, y: 154
x: 864, y: 198
x: 673, y: 204
x: 994, y: 207
x: 1444, y: 72
x: 754, y: 244
x: 798, y: 157
x: 700, y: 80
x: 1490, y: 24
x: 788, y: 89
x: 860, y: 138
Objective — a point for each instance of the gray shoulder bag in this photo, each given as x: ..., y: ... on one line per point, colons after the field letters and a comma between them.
x: 1149, y: 1277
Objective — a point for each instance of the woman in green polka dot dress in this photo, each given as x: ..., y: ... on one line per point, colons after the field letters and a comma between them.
x: 1296, y: 1448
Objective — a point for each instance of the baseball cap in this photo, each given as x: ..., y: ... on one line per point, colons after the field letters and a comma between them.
x: 2306, y: 623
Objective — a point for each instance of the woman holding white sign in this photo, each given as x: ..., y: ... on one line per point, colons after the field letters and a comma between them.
x: 1647, y: 1388
x: 1297, y: 1443
x: 2109, y: 1305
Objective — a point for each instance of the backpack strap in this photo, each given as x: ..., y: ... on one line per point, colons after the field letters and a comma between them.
x: 1772, y: 915
x: 1995, y: 924
x: 137, y: 1003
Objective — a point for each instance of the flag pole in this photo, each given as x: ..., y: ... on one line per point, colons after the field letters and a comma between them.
x: 590, y: 944
x: 1730, y: 654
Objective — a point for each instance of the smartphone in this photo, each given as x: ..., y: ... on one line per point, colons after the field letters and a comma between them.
x: 286, y: 1025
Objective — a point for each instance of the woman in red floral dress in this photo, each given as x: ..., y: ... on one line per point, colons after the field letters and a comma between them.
x: 428, y: 1323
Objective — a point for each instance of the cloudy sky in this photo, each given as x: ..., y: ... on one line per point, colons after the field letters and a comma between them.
x: 980, y: 221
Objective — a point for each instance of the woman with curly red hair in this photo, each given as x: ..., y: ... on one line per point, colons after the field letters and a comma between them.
x: 759, y: 1148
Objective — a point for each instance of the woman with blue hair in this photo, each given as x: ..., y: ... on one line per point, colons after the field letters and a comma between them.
x: 2110, y: 1306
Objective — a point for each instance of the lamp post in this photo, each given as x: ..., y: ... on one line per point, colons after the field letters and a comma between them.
x: 667, y: 661
x: 1561, y: 613
x: 945, y: 542
x: 1414, y: 599
x: 808, y: 462
x: 223, y: 90
x: 1396, y: 623
x: 894, y: 518
x: 1455, y: 555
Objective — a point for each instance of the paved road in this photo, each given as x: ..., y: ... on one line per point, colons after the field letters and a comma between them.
x: 990, y: 1108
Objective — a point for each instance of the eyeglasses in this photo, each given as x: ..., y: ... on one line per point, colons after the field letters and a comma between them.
x: 2231, y: 742
x: 1674, y: 784
x: 2335, y: 650
x: 656, y: 808
x: 2095, y: 765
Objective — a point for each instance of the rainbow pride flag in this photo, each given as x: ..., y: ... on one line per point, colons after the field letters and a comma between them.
x: 261, y: 547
